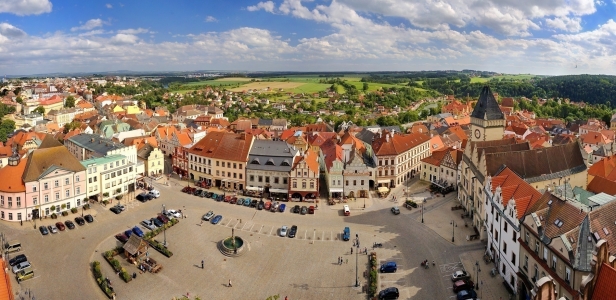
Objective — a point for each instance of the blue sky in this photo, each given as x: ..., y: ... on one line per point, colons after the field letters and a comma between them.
x: 510, y: 36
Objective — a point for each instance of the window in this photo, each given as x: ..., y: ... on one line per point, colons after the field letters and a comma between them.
x: 545, y: 253
x: 34, y: 200
x: 276, y: 180
x: 362, y: 182
x: 106, y: 176
x: 251, y: 178
x: 536, y: 247
x: 78, y: 191
x: 514, y: 236
x: 303, y: 185
x: 67, y: 193
x: 504, y: 247
x: 217, y: 163
x: 536, y: 273
x: 346, y: 182
x: 526, y: 237
x: 294, y: 184
x: 66, y: 181
x: 267, y: 179
x: 34, y: 188
x: 553, y: 262
x: 354, y: 182
x: 1, y: 200
x: 57, y: 196
x: 46, y: 198
x: 234, y: 165
x: 505, y: 227
x: 68, y: 205
x: 45, y: 186
x: 2, y: 215
x: 10, y: 216
x: 312, y: 185
x: 10, y: 202
x: 18, y: 201
x: 284, y: 180
x: 240, y: 166
x: 567, y: 275
x: 526, y: 262
x: 260, y: 178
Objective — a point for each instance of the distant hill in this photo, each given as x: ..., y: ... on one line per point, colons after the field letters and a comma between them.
x: 595, y: 89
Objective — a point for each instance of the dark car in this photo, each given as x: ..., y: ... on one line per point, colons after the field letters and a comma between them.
x: 128, y: 233
x: 163, y: 218
x: 389, y: 293
x: 292, y: 231
x: 203, y: 194
x: 197, y: 192
x: 80, y: 221
x: 89, y: 218
x: 220, y: 198
x: 69, y: 224
x: 138, y: 231
x: 115, y: 210
x: 253, y: 203
x: 260, y: 205
x: 296, y: 209
x: 44, y: 230
x: 18, y: 259
x: 60, y: 226
x: 282, y: 207
x: 466, y: 294
x: 121, y: 237
x: 157, y: 222
x: 216, y: 219
x: 208, y: 194
x: 462, y: 285
x: 304, y: 210
x: 143, y: 197
x: 389, y: 267
x: 395, y: 210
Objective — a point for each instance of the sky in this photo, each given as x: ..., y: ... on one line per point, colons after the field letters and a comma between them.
x: 546, y: 37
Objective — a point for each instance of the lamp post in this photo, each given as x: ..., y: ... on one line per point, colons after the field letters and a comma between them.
x: 356, y: 260
x: 164, y: 230
x: 477, y: 278
x: 453, y: 231
x: 422, y: 208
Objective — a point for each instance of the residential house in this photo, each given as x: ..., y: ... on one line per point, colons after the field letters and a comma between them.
x: 86, y: 146
x: 331, y: 161
x: 152, y: 158
x: 110, y: 177
x: 399, y: 156
x: 441, y: 168
x: 304, y: 179
x: 269, y: 166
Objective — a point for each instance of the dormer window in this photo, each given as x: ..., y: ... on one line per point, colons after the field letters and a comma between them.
x: 255, y: 162
x: 270, y: 162
x: 285, y: 163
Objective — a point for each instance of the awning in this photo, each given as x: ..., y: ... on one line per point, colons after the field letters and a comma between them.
x: 384, y: 181
x: 223, y: 180
x: 383, y: 189
x: 252, y: 188
x: 279, y: 191
x: 336, y: 190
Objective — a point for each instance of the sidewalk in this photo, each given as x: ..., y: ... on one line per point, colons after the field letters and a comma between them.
x: 439, y: 217
x: 489, y: 287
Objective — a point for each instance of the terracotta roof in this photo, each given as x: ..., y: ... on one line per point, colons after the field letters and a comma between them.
x: 436, y: 143
x: 11, y: 180
x: 514, y: 187
x: 605, y: 289
x: 224, y: 145
x: 311, y: 159
x: 6, y: 292
x: 399, y: 143
x: 287, y: 134
x: 436, y: 158
x: 221, y: 122
x: 594, y: 138
x: 318, y: 138
x: 419, y: 128
x: 604, y: 168
x: 560, y: 217
x: 331, y: 152
x: 602, y: 220
x: 602, y: 185
x: 48, y: 159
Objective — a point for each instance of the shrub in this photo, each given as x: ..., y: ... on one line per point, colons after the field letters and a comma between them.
x: 100, y: 280
x: 54, y: 216
x: 74, y: 210
x: 52, y: 208
x: 105, y: 194
x: 63, y: 206
x: 105, y: 202
x: 86, y: 206
x: 65, y: 213
x: 125, y: 276
x: 118, y: 197
x: 96, y: 269
x: 160, y: 248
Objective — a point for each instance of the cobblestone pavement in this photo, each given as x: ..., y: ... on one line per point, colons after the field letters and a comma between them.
x: 301, y: 268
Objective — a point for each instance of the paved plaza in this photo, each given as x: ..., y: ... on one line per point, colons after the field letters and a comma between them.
x: 305, y: 267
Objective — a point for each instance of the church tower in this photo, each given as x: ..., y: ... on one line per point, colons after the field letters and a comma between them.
x: 487, y: 119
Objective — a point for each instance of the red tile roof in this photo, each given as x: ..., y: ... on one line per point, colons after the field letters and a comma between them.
x: 398, y: 144
x: 436, y: 158
x: 605, y: 289
x: 602, y: 185
x: 224, y: 145
x: 514, y: 187
x: 604, y: 168
x: 11, y: 178
x: 311, y: 159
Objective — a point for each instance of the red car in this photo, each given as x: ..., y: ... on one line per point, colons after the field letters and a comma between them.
x: 311, y: 210
x: 268, y: 204
x: 233, y: 200
x: 227, y: 198
x: 163, y: 218
x: 121, y: 237
x: 60, y: 226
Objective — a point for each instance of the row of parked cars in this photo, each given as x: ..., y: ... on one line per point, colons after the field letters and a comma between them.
x: 272, y: 206
x: 150, y: 224
x: 59, y: 226
x: 463, y: 286
x: 20, y: 265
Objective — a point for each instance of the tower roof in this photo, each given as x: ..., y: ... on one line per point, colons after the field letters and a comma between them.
x: 487, y: 108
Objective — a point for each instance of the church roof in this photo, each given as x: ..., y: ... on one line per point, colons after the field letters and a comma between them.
x: 487, y: 108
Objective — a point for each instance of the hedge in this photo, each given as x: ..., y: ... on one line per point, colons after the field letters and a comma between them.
x: 149, y: 237
x: 101, y: 281
x: 115, y: 264
x: 160, y: 248
x: 372, y: 282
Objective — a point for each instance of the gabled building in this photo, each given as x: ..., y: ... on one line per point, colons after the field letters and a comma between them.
x: 269, y: 166
x: 441, y: 168
x: 110, y: 177
x: 304, y: 179
x: 86, y: 146
x: 331, y: 161
x: 399, y: 156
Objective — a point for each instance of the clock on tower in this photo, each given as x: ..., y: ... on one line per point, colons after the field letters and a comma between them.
x: 477, y: 133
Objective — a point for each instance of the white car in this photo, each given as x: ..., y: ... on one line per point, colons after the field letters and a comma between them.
x: 154, y: 193
x: 20, y: 266
x: 283, y: 231
x: 53, y: 228
x: 208, y: 216
x: 173, y: 214
x: 148, y: 224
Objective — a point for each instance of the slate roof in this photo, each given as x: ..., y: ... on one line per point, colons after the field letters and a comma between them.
x: 365, y: 136
x: 270, y: 156
x: 539, y: 164
x: 95, y: 143
x: 265, y: 122
x: 487, y: 108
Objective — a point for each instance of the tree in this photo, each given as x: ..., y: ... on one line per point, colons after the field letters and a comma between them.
x: 19, y: 100
x: 69, y: 102
x: 40, y: 110
x: 365, y: 87
x: 6, y: 127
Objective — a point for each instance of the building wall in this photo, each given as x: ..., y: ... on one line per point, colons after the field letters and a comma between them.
x: 262, y: 178
x: 217, y: 169
x: 156, y: 162
x: 404, y: 165
x: 110, y: 176
x: 429, y: 172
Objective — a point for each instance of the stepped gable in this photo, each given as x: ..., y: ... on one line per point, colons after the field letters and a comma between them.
x: 539, y: 164
x: 487, y: 108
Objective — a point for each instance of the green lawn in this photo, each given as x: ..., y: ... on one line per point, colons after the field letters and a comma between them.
x: 310, y: 87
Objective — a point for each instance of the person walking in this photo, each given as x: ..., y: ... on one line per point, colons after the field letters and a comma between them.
x: 230, y: 283
x: 347, y: 261
x: 351, y: 250
x: 201, y: 264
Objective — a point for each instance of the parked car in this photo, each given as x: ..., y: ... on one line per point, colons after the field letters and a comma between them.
x: 143, y: 197
x: 17, y: 259
x: 208, y: 215
x: 60, y: 226
x: 346, y: 234
x: 389, y: 293
x: 275, y: 206
x: 466, y: 294
x: 157, y: 222
x: 121, y: 237
x: 459, y: 275
x: 233, y: 200
x: 69, y: 224
x: 163, y: 218
x: 220, y: 198
x: 196, y: 192
x: 461, y: 285
x: 216, y: 219
x: 253, y: 203
x: 203, y: 194
x: 260, y: 205
x: 214, y: 196
x: 115, y: 210
x: 292, y: 232
x: 52, y: 228
x: 154, y: 193
x: 25, y: 274
x: 240, y: 201
x: 43, y: 230
x: 149, y: 224
x: 282, y: 207
x: 172, y: 213
x: 296, y: 209
x: 80, y: 221
x: 20, y: 266
x: 208, y: 194
x: 128, y: 233
x: 303, y: 210
x: 267, y: 205
x: 88, y: 218
x: 247, y: 202
x: 389, y: 267
x: 138, y: 231
x: 395, y: 210
x: 283, y: 231
x: 311, y: 210
x: 120, y: 207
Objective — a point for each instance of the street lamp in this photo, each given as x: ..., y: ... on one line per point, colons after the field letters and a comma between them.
x: 477, y: 278
x: 164, y: 230
x: 356, y: 260
x: 453, y: 231
x: 422, y: 208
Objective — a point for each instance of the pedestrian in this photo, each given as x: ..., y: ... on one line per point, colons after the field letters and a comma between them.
x: 201, y: 264
x: 366, y: 250
x: 347, y: 261
x: 285, y: 298
x: 351, y: 250
x: 230, y: 283
x: 201, y: 224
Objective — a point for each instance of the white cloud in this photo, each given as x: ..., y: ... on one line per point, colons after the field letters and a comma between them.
x: 210, y: 19
x: 25, y: 7
x: 267, y: 6
x: 10, y: 31
x: 565, y: 24
x: 109, y: 5
x: 89, y: 25
x: 134, y: 31
x: 124, y: 39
